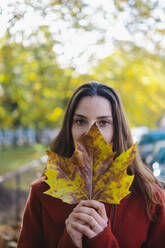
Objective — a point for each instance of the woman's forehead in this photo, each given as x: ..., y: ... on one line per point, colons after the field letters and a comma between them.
x: 97, y: 105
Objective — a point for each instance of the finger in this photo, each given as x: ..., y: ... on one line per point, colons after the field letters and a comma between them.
x: 70, y: 229
x: 74, y: 234
x: 85, y: 218
x: 91, y: 222
x: 84, y: 229
x: 99, y: 206
x: 91, y: 212
x: 73, y: 218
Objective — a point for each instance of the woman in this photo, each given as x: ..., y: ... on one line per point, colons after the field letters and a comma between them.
x: 137, y: 222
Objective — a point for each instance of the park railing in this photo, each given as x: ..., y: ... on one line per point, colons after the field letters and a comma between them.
x: 26, y: 136
x: 14, y: 188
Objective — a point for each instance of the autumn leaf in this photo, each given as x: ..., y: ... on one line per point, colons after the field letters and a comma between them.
x: 91, y: 173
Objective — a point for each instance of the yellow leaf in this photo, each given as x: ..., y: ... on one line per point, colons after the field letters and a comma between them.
x: 91, y: 172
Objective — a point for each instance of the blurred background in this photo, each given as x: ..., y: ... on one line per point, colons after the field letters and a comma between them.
x: 47, y: 49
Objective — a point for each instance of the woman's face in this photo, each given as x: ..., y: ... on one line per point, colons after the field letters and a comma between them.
x: 90, y: 110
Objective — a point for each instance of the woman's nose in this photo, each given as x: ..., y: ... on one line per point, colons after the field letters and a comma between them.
x: 90, y: 125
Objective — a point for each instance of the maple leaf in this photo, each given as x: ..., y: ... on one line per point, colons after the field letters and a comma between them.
x: 91, y: 172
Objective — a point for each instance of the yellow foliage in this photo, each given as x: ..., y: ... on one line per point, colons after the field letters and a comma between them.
x: 32, y: 76
x: 2, y: 112
x: 139, y: 78
x: 2, y: 78
x: 49, y: 93
x: 56, y: 114
x: 37, y: 86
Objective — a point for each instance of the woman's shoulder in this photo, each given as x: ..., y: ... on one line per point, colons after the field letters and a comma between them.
x: 157, y: 198
x: 51, y: 204
x: 39, y: 185
x: 38, y: 190
x: 160, y: 193
x: 137, y: 196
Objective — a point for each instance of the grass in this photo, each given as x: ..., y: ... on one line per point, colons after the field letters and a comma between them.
x: 12, y: 158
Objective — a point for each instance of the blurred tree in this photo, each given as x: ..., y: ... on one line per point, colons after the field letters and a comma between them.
x: 33, y: 89
x: 144, y: 19
x: 60, y: 15
x: 139, y: 78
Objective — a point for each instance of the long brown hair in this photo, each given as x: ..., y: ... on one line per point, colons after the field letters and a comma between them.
x: 144, y: 181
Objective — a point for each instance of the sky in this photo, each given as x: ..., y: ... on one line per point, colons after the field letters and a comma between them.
x: 75, y: 42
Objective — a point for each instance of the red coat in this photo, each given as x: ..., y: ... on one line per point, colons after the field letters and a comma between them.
x: 44, y: 224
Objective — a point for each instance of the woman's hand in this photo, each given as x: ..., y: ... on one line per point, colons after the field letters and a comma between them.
x: 88, y: 218
x: 93, y: 216
x: 75, y: 235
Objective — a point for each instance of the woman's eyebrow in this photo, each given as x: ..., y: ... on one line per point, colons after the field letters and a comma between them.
x: 105, y: 116
x: 99, y: 117
x: 79, y: 115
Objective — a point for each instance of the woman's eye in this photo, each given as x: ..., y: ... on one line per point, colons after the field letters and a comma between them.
x: 80, y: 122
x: 104, y: 123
